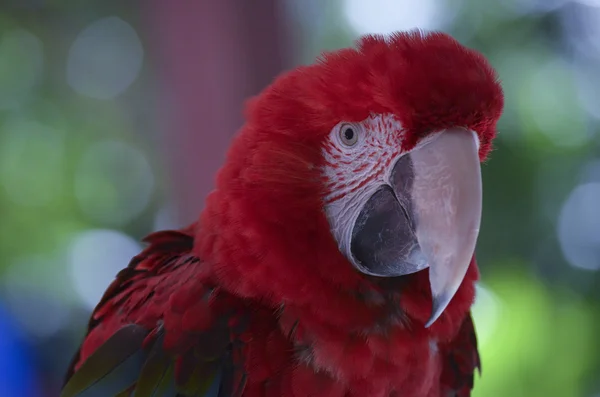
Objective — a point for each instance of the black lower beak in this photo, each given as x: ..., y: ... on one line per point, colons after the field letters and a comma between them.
x: 384, y: 242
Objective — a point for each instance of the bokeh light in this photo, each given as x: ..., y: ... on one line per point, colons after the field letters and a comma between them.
x: 91, y: 66
x: 579, y: 227
x: 487, y: 312
x: 95, y: 258
x: 387, y: 16
x: 582, y: 21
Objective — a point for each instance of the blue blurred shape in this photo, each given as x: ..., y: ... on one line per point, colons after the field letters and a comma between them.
x: 17, y: 371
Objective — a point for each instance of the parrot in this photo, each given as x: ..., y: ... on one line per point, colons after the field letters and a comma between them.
x: 335, y: 255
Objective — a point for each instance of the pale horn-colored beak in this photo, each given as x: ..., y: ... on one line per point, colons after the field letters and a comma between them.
x: 446, y: 199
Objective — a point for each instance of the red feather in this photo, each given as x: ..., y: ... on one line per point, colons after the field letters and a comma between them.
x: 260, y: 277
x: 461, y: 360
x: 266, y: 234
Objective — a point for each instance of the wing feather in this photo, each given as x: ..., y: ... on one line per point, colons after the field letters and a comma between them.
x: 161, y: 329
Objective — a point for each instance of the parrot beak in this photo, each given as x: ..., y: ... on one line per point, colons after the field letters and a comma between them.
x: 428, y: 216
x: 447, y: 197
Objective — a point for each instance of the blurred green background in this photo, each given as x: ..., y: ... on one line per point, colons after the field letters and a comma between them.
x: 114, y: 117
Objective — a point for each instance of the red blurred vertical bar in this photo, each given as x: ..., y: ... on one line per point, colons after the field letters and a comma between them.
x: 209, y: 56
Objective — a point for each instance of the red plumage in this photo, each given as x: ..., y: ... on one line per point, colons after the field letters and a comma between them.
x: 260, y: 276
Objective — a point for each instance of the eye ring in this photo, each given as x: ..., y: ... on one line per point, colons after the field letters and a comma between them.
x: 348, y: 134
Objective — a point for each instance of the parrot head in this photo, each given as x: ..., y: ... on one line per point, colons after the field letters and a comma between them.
x: 367, y: 162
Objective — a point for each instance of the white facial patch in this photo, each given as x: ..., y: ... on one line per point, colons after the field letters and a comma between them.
x: 355, y: 172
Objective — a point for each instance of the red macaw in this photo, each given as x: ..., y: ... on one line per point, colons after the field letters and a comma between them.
x: 335, y: 256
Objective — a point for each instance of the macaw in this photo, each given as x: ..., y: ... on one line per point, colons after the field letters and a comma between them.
x: 335, y: 256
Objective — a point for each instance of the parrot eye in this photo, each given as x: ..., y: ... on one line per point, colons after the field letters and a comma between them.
x: 348, y: 134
